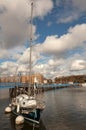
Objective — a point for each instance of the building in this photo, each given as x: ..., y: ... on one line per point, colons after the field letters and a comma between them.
x: 23, y: 78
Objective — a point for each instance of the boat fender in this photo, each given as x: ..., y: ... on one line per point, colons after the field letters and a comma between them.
x: 8, y: 109
x: 19, y: 120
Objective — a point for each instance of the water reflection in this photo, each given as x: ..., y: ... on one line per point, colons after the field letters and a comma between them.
x: 65, y: 109
x: 4, y: 93
x: 26, y: 125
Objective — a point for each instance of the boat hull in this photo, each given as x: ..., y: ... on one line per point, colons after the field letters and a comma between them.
x: 33, y: 116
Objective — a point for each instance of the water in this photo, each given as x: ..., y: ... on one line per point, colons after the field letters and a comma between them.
x: 65, y: 110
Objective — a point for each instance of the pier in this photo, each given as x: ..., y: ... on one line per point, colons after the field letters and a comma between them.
x: 16, y: 88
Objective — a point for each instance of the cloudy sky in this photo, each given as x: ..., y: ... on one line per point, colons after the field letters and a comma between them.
x: 59, y: 37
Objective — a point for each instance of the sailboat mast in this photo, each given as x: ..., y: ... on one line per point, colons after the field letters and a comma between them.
x: 31, y: 39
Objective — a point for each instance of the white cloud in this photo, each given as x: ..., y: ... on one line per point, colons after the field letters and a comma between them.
x: 16, y: 56
x: 50, y: 68
x: 78, y: 65
x: 54, y: 62
x: 8, y: 67
x: 59, y: 45
x: 13, y: 20
x: 13, y: 68
x: 35, y: 55
x: 41, y: 9
x: 72, y: 10
x: 68, y: 18
x: 23, y: 69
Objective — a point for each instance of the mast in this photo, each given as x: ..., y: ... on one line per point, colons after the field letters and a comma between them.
x: 31, y: 39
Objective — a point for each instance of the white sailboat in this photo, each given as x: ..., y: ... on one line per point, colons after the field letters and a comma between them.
x: 25, y: 104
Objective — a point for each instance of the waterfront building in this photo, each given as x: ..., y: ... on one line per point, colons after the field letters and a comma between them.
x: 23, y: 78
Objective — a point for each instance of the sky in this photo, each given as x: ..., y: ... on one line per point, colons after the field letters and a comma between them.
x: 58, y: 33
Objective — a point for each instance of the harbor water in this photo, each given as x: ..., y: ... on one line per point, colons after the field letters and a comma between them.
x: 65, y: 110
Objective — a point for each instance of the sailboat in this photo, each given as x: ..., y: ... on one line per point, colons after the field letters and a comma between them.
x: 25, y: 105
